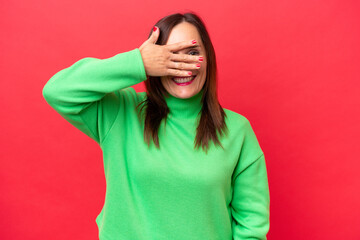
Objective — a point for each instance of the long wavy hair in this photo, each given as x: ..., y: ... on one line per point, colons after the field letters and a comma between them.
x: 212, y: 120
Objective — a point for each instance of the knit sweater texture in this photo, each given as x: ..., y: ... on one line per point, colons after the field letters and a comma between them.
x: 176, y: 192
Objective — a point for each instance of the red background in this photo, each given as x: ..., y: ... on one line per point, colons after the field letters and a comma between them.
x: 290, y: 67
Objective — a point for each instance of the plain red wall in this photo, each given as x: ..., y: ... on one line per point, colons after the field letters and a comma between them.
x: 290, y: 67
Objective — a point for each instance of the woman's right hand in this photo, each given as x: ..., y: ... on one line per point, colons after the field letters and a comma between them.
x: 159, y: 60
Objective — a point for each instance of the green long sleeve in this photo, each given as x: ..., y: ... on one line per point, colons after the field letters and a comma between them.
x: 250, y: 205
x: 86, y: 95
x: 251, y: 202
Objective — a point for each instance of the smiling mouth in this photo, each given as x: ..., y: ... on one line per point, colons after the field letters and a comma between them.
x: 183, y: 79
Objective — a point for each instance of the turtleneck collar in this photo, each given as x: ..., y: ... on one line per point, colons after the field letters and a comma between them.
x: 187, y: 108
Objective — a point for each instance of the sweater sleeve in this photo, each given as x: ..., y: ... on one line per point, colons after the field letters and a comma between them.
x: 86, y: 93
x: 250, y: 205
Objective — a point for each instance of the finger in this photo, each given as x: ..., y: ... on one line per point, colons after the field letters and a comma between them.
x: 185, y: 58
x: 183, y: 66
x: 181, y: 45
x: 154, y: 35
x: 178, y: 73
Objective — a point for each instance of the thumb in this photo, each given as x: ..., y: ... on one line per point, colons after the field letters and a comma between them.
x: 154, y: 35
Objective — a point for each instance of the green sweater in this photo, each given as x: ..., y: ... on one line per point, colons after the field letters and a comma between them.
x: 171, y: 193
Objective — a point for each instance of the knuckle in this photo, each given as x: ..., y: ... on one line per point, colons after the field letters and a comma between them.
x: 167, y: 54
x: 173, y: 56
x: 167, y: 63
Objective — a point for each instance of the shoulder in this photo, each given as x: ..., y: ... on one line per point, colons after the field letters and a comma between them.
x: 235, y: 120
x: 241, y: 129
x: 130, y: 96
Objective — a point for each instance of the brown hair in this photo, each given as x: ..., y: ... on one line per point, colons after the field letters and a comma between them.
x: 212, y: 115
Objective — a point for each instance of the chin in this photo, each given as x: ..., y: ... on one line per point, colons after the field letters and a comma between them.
x: 184, y: 94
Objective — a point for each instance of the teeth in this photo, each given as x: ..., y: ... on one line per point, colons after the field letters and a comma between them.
x: 183, y: 80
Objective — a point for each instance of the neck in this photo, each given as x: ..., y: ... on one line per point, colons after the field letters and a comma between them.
x: 187, y: 108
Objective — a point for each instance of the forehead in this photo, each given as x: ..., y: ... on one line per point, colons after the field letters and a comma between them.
x: 183, y: 32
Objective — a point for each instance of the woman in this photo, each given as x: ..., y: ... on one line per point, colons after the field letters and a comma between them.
x: 177, y: 164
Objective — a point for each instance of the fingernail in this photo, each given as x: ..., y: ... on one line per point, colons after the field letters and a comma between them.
x: 201, y: 59
x: 193, y: 41
x: 154, y: 29
x: 190, y: 73
x: 198, y: 65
